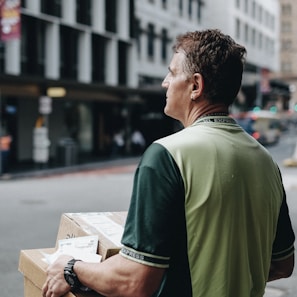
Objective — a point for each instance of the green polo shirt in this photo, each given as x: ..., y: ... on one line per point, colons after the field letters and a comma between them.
x: 205, y: 205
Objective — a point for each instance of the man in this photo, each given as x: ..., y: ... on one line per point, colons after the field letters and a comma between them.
x: 208, y: 214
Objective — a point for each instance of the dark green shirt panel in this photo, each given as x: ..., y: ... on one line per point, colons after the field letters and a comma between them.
x: 156, y: 224
x: 155, y: 218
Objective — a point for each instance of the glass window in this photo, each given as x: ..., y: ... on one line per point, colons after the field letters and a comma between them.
x: 246, y: 6
x: 164, y: 45
x: 83, y: 12
x: 151, y: 40
x: 286, y: 66
x: 138, y: 35
x: 123, y: 63
x: 52, y: 7
x: 260, y: 12
x: 180, y: 6
x: 237, y: 33
x: 110, y: 16
x: 199, y: 9
x: 164, y: 4
x: 32, y: 46
x: 98, y: 58
x: 286, y: 9
x: 190, y: 8
x: 246, y: 33
x: 253, y: 37
x: 2, y: 53
x: 253, y: 9
x: 68, y: 52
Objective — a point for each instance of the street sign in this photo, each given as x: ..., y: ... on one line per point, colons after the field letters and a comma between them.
x: 45, y: 105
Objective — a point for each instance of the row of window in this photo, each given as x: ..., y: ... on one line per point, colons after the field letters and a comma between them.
x: 33, y: 52
x: 254, y: 37
x: 151, y: 38
x: 193, y: 7
x: 257, y: 12
x: 84, y: 12
x: 286, y: 9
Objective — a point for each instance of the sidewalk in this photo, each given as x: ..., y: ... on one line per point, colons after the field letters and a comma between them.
x: 37, y: 172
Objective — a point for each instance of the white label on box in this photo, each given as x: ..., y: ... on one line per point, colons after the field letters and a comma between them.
x: 101, y: 222
x: 83, y: 248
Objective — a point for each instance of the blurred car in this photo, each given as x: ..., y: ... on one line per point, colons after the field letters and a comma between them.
x: 264, y: 126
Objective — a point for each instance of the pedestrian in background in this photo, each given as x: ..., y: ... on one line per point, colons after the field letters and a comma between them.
x: 118, y: 144
x: 208, y: 214
x: 5, y: 143
x: 137, y: 142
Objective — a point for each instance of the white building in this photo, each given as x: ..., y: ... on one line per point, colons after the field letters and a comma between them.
x: 252, y: 23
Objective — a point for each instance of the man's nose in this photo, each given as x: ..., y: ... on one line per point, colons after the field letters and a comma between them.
x: 165, y: 83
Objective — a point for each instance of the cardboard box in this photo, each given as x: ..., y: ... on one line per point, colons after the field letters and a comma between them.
x: 109, y: 227
x: 33, y: 267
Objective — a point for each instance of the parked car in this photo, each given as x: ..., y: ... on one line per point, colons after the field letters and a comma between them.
x: 264, y: 126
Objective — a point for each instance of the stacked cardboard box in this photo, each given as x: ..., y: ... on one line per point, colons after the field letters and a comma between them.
x: 107, y: 225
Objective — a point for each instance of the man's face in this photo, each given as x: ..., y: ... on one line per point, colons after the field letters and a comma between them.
x: 179, y: 88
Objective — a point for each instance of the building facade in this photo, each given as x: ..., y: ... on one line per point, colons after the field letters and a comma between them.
x: 101, y: 62
x: 288, y: 47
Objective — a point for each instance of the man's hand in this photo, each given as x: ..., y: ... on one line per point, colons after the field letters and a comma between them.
x: 55, y: 284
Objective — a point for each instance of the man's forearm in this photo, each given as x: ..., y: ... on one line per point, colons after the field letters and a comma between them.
x: 118, y: 276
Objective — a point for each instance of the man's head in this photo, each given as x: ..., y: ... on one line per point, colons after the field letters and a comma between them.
x: 217, y: 58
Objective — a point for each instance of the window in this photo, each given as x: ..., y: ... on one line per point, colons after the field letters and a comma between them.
x: 286, y: 45
x: 199, y: 10
x: 253, y: 9
x: 286, y: 27
x: 246, y: 33
x: 52, y: 7
x: 237, y: 28
x: 286, y: 67
x: 2, y: 53
x: 260, y: 12
x: 123, y: 64
x: 164, y: 4
x: 138, y: 35
x: 32, y: 46
x: 23, y: 3
x: 253, y: 37
x: 180, y: 6
x: 83, y: 12
x: 246, y: 6
x: 237, y: 3
x: 286, y: 9
x: 260, y: 42
x: 151, y: 41
x: 164, y: 45
x: 68, y: 52
x: 110, y: 16
x: 98, y: 58
x: 190, y: 8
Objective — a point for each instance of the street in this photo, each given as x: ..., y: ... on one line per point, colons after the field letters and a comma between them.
x: 32, y: 207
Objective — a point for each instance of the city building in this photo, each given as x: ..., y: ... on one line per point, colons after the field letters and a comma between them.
x: 86, y: 70
x: 65, y: 83
x: 288, y: 48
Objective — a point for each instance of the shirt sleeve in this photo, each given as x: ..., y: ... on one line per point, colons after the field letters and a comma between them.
x: 283, y: 246
x: 156, y: 209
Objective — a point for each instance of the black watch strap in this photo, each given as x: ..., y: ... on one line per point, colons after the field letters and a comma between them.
x: 71, y: 277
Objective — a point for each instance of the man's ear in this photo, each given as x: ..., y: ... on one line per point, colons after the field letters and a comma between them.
x: 198, y: 85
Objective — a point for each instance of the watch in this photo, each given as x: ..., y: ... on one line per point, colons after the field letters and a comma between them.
x: 71, y: 277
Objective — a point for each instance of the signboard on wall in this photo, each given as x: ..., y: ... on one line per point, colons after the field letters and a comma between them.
x: 10, y: 19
